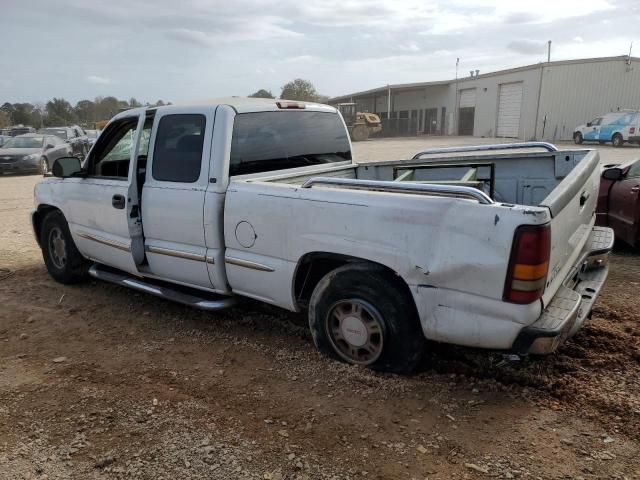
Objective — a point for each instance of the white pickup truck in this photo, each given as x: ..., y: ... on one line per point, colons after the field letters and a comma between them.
x: 482, y: 246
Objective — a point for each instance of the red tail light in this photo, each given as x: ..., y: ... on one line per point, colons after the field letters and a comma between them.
x: 528, y: 264
x: 290, y: 105
x: 632, y: 129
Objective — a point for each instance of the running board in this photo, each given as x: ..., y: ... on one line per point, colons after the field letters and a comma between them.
x: 165, y: 292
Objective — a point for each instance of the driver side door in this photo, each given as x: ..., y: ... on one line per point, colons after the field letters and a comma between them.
x: 102, y: 208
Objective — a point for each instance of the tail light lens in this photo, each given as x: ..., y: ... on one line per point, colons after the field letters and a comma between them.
x: 528, y: 264
x: 632, y: 129
x: 290, y: 105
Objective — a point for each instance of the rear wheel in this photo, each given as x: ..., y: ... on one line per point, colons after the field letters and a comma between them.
x: 577, y: 138
x: 359, y: 315
x: 61, y: 256
x: 617, y: 140
x: 360, y: 133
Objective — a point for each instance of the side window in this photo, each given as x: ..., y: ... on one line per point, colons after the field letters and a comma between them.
x: 177, y: 153
x: 111, y: 154
x: 634, y: 170
x: 596, y: 122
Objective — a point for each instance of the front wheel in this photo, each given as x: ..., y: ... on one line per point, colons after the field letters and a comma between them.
x: 617, y: 140
x: 61, y: 256
x: 362, y: 315
x: 577, y: 138
x: 44, y: 166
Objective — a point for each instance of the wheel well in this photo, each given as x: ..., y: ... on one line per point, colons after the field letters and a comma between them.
x: 313, y: 266
x: 38, y: 217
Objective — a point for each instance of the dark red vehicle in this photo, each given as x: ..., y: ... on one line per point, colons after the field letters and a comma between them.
x: 619, y: 201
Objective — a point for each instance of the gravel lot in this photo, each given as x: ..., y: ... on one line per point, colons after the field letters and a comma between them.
x: 101, y: 382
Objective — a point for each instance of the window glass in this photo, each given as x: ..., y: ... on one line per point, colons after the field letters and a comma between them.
x: 634, y: 171
x: 596, y: 121
x: 266, y: 141
x: 111, y: 155
x: 177, y: 154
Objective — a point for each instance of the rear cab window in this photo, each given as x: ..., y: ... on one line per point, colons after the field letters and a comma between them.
x: 267, y: 141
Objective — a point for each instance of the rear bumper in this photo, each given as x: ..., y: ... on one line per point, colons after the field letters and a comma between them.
x: 573, y: 302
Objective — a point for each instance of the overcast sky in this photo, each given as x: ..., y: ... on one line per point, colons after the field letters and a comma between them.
x: 193, y: 49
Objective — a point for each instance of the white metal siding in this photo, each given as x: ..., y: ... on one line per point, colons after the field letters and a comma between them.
x: 509, y: 106
x: 468, y: 98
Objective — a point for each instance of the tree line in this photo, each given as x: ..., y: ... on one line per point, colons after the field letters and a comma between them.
x: 298, y: 89
x: 59, y: 112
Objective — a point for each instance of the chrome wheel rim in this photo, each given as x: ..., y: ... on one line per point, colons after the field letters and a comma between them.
x: 355, y: 330
x: 43, y: 166
x: 57, y: 248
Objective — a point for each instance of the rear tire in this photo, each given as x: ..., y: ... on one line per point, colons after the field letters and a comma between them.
x: 360, y: 133
x: 361, y: 314
x: 577, y: 138
x: 617, y: 140
x: 61, y: 256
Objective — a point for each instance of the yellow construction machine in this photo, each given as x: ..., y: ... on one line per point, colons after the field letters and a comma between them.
x: 361, y: 125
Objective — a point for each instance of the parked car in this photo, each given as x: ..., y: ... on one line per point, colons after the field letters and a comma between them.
x: 73, y: 136
x: 616, y: 127
x: 619, y: 201
x: 16, y: 130
x: 260, y: 198
x: 31, y: 152
x: 4, y: 138
x: 92, y: 136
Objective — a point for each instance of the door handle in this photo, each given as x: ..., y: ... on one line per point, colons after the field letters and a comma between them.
x: 635, y: 189
x: 118, y: 202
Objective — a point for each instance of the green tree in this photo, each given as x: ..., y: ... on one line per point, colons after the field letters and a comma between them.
x: 299, y: 89
x: 59, y: 112
x: 106, y: 107
x: 133, y: 103
x: 262, y: 93
x: 22, y: 113
x: 4, y: 119
x: 7, y: 108
x: 85, y: 111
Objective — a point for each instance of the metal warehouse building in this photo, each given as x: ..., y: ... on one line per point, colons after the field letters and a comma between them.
x: 536, y: 102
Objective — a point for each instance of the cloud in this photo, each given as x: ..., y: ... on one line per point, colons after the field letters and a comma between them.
x: 194, y: 37
x: 527, y: 47
x: 98, y: 80
x: 521, y: 17
x: 578, y: 39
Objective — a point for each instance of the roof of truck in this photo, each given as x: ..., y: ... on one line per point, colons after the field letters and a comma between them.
x: 249, y: 104
x: 239, y: 104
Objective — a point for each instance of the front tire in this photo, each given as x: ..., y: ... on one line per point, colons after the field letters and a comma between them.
x: 577, y: 138
x: 617, y: 140
x: 361, y: 314
x: 61, y: 256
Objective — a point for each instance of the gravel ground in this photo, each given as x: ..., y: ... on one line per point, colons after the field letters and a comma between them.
x: 101, y: 382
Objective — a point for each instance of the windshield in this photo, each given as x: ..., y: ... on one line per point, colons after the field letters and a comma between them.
x: 24, y: 142
x: 61, y: 133
x: 266, y: 141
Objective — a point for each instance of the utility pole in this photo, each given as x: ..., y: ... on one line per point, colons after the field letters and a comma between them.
x: 455, y: 106
x: 548, y: 51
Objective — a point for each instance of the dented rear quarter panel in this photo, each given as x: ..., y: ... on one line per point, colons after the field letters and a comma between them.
x: 453, y: 253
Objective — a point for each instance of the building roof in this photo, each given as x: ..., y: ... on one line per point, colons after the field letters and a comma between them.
x: 420, y: 85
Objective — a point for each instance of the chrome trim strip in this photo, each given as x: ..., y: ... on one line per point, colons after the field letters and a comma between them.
x: 174, y: 253
x: 105, y: 241
x: 248, y: 264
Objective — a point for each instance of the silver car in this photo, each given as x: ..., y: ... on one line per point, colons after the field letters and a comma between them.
x: 32, y: 152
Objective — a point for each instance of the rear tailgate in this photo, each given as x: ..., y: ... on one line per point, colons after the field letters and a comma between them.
x: 572, y: 205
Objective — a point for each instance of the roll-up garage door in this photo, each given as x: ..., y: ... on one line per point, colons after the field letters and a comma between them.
x: 509, y: 105
x: 466, y: 111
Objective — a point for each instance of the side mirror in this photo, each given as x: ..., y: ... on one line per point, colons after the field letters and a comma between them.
x: 49, y: 146
x: 65, y: 167
x: 614, y: 173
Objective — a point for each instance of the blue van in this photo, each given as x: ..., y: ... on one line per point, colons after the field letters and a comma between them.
x: 615, y: 127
